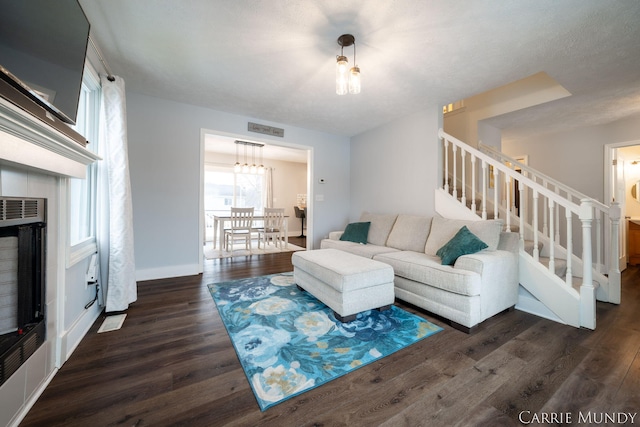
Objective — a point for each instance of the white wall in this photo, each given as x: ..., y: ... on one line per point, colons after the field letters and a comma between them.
x: 575, y: 157
x: 394, y: 168
x: 289, y: 180
x: 164, y: 154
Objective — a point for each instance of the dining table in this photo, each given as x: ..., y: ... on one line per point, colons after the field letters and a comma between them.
x: 220, y: 220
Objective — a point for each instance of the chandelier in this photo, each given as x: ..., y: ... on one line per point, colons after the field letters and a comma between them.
x: 347, y: 79
x: 246, y: 167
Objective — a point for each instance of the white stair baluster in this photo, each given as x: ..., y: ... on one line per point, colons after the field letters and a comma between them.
x: 463, y: 165
x: 569, y: 274
x: 496, y: 186
x: 521, y: 213
x: 446, y: 164
x: 552, y: 262
x: 545, y: 219
x: 484, y: 189
x: 599, y: 262
x: 473, y: 183
x: 507, y: 179
x: 557, y: 221
x: 536, y: 215
x: 455, y: 170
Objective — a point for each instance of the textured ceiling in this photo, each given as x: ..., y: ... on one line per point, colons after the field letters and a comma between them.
x: 274, y: 60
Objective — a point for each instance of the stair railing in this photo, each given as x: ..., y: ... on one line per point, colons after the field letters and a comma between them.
x: 601, y: 209
x: 537, y: 196
x: 607, y: 244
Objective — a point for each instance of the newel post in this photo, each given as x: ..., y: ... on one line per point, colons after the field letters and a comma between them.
x: 614, y: 253
x: 587, y: 291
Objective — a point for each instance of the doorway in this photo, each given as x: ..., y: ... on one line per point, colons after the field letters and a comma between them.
x: 287, y: 168
x: 622, y: 169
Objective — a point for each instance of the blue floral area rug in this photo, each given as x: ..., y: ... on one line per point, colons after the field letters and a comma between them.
x: 288, y: 342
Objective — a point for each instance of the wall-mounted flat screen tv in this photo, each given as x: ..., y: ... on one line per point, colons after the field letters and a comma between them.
x: 43, y: 44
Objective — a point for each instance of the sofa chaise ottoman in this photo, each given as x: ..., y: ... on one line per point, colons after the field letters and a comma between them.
x: 347, y: 283
x: 465, y: 290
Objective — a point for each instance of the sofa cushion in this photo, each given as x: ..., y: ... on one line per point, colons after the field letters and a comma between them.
x: 409, y: 233
x: 342, y: 271
x: 443, y: 229
x: 367, y: 251
x: 380, y: 227
x: 463, y: 243
x: 356, y: 232
x: 427, y: 269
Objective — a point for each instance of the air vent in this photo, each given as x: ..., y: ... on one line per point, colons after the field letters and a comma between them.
x: 14, y: 211
x: 18, y: 353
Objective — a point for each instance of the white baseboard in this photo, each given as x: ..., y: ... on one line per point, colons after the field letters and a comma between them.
x: 167, y: 272
x: 32, y: 400
x: 71, y: 338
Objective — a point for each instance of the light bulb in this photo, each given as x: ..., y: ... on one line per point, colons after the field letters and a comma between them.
x: 354, y: 80
x: 342, y: 74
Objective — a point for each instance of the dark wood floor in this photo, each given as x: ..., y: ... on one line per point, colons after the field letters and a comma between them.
x: 172, y: 364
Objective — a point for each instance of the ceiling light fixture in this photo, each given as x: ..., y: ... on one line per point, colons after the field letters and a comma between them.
x: 245, y: 167
x: 347, y: 79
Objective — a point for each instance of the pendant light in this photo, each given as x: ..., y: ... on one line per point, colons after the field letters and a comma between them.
x: 254, y: 167
x: 246, y: 167
x: 347, y: 79
x: 261, y: 167
x: 237, y: 168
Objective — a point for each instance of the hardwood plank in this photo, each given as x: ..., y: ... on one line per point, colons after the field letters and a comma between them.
x: 458, y: 397
x: 548, y: 359
x: 172, y: 363
x: 594, y: 384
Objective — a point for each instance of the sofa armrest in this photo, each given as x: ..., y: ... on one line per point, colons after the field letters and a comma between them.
x: 499, y: 278
x: 482, y: 261
x: 335, y: 235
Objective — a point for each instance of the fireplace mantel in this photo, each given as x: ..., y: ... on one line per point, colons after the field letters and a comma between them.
x: 27, y: 141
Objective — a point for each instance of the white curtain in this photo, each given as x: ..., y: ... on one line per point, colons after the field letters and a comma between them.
x: 115, y: 211
x: 268, y: 187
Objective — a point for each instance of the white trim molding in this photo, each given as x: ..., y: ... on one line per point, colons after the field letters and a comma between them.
x: 28, y: 141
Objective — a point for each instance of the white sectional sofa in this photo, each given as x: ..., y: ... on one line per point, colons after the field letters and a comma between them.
x: 476, y: 287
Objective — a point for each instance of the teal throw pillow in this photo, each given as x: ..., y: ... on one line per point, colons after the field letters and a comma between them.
x: 463, y: 243
x: 356, y: 232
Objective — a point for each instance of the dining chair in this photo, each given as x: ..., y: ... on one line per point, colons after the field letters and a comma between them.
x: 273, y: 227
x: 241, y: 228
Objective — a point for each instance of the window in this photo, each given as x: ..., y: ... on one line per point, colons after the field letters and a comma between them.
x: 223, y: 188
x: 82, y: 192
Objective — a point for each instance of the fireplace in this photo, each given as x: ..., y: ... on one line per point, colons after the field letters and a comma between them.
x: 22, y: 281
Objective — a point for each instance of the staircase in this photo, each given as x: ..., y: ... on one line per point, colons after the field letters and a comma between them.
x: 569, y: 243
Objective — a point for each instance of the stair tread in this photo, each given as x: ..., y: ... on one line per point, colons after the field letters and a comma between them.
x: 576, y: 283
x: 560, y: 265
